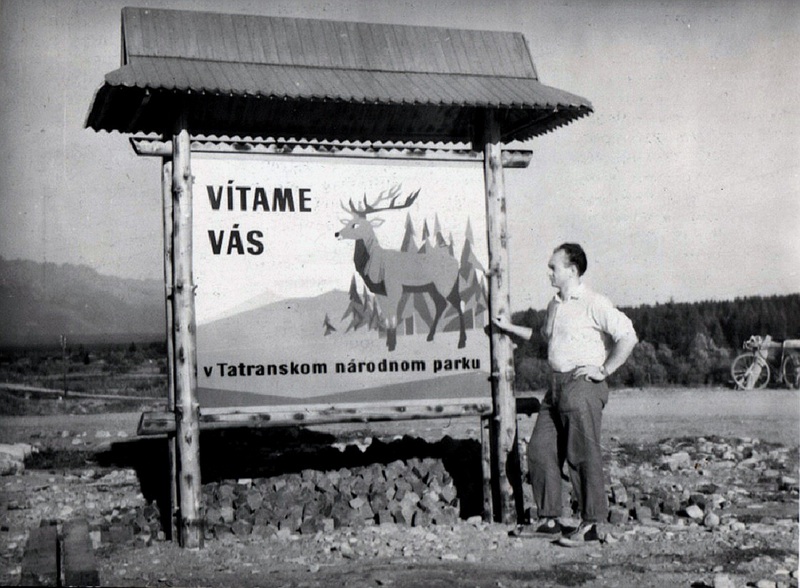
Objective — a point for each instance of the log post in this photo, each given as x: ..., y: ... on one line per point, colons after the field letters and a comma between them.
x: 187, y: 409
x: 505, y: 414
x: 486, y: 468
x: 166, y: 196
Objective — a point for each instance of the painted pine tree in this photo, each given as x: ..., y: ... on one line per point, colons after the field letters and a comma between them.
x: 376, y: 321
x: 409, y: 244
x: 409, y: 238
x: 355, y: 308
x: 329, y: 328
x: 371, y: 309
x: 437, y: 231
x: 472, y: 286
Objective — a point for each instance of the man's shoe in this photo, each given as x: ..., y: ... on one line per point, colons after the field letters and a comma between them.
x: 584, y: 534
x: 547, y: 528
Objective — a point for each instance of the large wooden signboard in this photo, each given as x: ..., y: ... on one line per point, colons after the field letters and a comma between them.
x: 346, y: 282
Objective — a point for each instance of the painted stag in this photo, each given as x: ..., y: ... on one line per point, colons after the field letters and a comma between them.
x: 390, y: 273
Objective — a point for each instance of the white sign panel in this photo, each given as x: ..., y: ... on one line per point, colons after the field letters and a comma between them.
x: 322, y: 282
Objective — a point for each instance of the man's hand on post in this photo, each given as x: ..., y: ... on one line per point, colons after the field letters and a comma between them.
x: 501, y: 322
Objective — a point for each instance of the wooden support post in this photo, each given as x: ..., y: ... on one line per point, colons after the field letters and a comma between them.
x: 486, y: 467
x: 505, y: 418
x: 166, y: 196
x: 187, y: 409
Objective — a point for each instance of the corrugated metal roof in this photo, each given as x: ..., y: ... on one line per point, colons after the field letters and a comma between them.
x: 323, y: 79
x: 312, y: 83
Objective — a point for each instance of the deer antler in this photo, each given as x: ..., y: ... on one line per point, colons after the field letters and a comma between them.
x: 392, y: 196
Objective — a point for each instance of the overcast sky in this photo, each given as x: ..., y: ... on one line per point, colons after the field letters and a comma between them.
x: 683, y: 184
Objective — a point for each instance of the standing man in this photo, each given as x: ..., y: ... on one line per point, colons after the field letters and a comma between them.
x: 588, y: 339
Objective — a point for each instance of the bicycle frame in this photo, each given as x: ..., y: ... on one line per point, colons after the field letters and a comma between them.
x: 753, y: 369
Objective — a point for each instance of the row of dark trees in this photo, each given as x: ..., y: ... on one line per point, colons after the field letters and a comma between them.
x: 685, y: 344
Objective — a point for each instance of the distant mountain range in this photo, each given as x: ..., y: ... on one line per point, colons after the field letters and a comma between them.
x: 41, y: 301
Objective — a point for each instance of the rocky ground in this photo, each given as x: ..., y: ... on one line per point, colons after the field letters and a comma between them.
x: 717, y: 510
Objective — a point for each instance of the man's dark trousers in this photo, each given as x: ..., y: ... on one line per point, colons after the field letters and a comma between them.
x: 568, y: 429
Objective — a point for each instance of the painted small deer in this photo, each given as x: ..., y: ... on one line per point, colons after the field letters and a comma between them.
x: 390, y: 273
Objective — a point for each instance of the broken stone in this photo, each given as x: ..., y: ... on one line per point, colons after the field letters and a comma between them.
x: 694, y: 512
x: 242, y: 528
x: 676, y: 461
x: 619, y: 495
x: 643, y: 513
x: 711, y: 521
x: 723, y: 581
x: 671, y: 504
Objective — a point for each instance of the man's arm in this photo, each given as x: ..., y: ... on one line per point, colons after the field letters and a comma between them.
x: 617, y: 325
x: 502, y: 322
x: 620, y: 352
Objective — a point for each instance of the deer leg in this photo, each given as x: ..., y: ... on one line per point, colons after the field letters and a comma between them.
x: 455, y: 299
x: 393, y: 296
x: 441, y: 304
x: 462, y: 338
x: 391, y: 332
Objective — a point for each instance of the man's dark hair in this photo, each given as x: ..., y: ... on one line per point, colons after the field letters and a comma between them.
x: 575, y: 256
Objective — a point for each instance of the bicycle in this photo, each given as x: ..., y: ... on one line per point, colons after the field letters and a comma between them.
x: 753, y: 369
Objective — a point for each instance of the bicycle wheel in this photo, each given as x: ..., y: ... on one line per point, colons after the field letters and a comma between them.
x: 790, y: 370
x: 749, y: 373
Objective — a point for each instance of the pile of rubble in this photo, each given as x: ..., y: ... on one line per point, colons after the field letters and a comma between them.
x: 713, y: 482
x: 733, y: 485
x: 132, y: 520
x: 416, y: 492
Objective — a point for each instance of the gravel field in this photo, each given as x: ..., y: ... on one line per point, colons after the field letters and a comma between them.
x: 705, y: 479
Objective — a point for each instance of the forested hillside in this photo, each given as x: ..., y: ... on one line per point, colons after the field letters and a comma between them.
x: 680, y: 343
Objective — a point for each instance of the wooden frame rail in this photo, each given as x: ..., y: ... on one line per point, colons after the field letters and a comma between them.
x: 157, y: 147
x: 163, y: 422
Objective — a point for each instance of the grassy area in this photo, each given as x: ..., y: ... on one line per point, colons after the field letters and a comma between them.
x: 18, y: 403
x: 118, y: 370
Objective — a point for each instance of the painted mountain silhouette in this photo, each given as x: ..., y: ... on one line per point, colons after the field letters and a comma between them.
x: 262, y: 299
x: 282, y: 322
